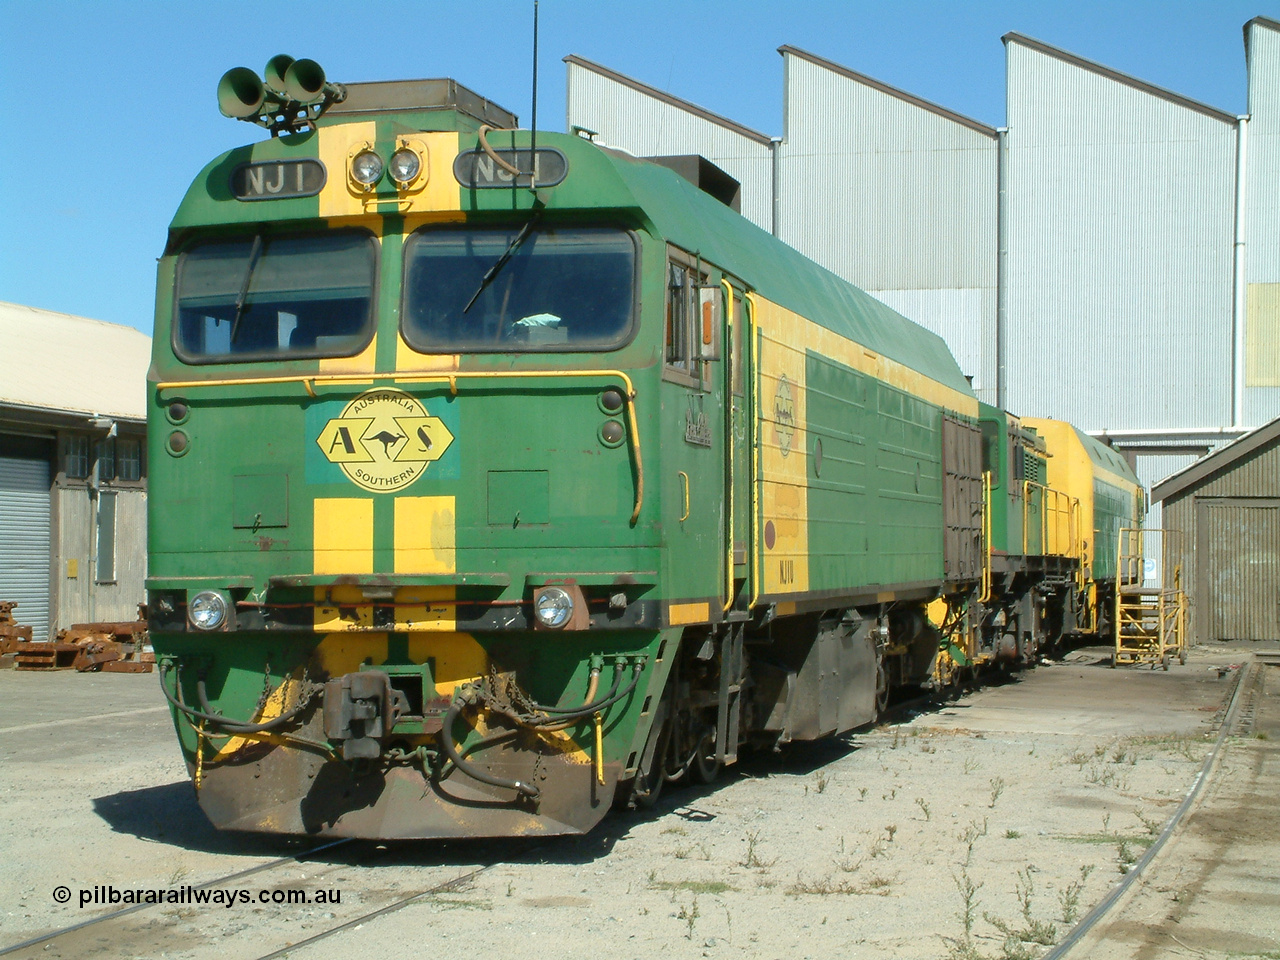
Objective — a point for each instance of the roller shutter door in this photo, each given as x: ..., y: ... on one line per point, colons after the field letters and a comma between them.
x: 24, y: 541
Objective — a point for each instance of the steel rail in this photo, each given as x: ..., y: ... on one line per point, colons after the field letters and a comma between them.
x: 400, y: 904
x: 217, y: 881
x: 1243, y: 678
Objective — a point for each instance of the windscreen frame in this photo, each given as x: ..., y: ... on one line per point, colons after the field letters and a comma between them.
x: 410, y: 333
x: 360, y: 339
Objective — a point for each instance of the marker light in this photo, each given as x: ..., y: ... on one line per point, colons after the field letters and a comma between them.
x: 207, y: 610
x: 405, y: 165
x: 553, y: 607
x: 366, y: 168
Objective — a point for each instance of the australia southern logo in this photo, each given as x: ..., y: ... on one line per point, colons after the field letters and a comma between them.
x: 384, y: 440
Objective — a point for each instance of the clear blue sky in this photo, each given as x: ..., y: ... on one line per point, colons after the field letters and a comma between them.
x: 110, y: 111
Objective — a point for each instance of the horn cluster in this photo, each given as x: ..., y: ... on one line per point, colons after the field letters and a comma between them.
x: 289, y: 97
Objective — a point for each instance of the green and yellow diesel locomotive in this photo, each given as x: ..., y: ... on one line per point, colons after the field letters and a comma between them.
x: 498, y: 477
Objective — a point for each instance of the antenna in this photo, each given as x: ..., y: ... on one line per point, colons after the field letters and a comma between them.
x: 533, y: 138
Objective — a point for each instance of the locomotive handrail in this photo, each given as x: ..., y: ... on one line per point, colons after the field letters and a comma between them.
x: 730, y: 360
x: 986, y: 537
x: 753, y: 481
x: 309, y: 380
x: 1058, y: 498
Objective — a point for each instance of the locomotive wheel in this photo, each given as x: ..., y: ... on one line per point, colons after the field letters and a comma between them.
x: 882, y: 686
x: 705, y: 767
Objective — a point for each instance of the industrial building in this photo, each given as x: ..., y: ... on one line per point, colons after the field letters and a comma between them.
x: 1110, y: 257
x: 73, y: 470
x: 1226, y: 511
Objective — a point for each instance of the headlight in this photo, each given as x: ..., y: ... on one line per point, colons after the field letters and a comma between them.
x: 553, y: 607
x: 405, y: 165
x: 366, y: 168
x: 207, y: 610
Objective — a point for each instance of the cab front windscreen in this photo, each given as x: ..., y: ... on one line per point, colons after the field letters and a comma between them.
x: 559, y: 289
x: 272, y: 298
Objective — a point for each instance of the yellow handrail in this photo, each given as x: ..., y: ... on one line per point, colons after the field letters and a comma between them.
x: 986, y: 537
x: 727, y: 354
x: 753, y: 539
x: 1062, y: 509
x: 309, y: 380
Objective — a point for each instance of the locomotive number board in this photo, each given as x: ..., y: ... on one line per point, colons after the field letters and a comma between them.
x: 479, y: 171
x: 277, y: 179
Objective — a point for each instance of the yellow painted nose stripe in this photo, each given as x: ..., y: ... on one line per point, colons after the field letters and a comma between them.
x: 343, y: 535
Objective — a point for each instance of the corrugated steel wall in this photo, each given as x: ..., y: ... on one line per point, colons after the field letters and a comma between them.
x: 898, y: 199
x: 1238, y: 585
x: 1262, y: 225
x: 82, y: 599
x: 1255, y: 477
x: 1120, y: 234
x: 646, y: 126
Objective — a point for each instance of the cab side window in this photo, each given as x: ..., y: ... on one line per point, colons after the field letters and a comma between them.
x: 683, y: 331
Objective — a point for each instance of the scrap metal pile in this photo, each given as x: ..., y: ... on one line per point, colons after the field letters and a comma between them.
x: 114, y: 647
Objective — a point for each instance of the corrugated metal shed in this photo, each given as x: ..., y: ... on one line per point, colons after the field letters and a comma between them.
x: 57, y: 362
x: 1121, y: 219
x: 915, y: 185
x: 1262, y: 222
x: 1226, y: 506
x: 646, y: 121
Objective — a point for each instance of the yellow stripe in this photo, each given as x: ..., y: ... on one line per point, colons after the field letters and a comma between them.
x: 337, y: 144
x: 424, y: 535
x: 795, y: 332
x: 688, y: 613
x: 343, y: 535
x: 442, y: 191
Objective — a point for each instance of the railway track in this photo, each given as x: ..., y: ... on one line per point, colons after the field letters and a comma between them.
x: 149, y: 929
x: 1238, y: 716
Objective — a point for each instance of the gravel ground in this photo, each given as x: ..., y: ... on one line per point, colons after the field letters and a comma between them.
x: 982, y: 829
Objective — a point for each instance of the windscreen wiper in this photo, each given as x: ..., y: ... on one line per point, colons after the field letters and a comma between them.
x: 254, y: 252
x: 492, y: 273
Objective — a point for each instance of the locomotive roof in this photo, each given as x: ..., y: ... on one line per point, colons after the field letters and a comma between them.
x: 692, y: 219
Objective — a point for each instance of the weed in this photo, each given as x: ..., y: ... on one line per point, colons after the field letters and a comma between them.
x: 752, y: 858
x: 820, y: 781
x: 1070, y: 897
x: 677, y: 830
x: 1024, y: 887
x: 1261, y: 736
x: 1152, y: 826
x: 970, y: 836
x: 713, y: 887
x: 1079, y: 758
x: 828, y: 885
x: 1012, y: 835
x: 897, y: 739
x: 862, y: 793
x: 997, y: 788
x: 511, y: 886
x: 924, y: 807
x: 823, y: 887
x: 892, y: 794
x: 969, y: 901
x: 970, y: 764
x: 1124, y: 854
x: 177, y: 876
x: 877, y: 848
x: 689, y: 915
